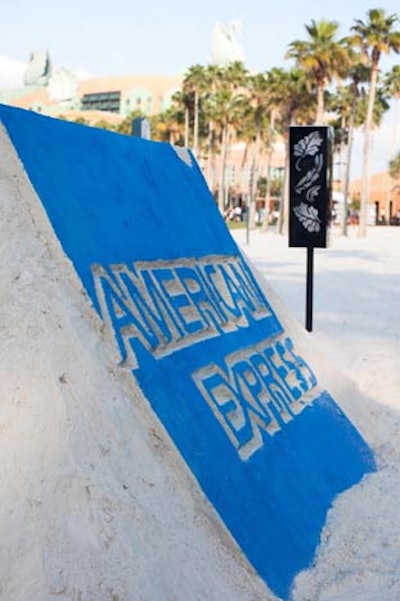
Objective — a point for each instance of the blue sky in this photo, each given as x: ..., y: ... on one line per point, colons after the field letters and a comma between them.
x: 160, y: 36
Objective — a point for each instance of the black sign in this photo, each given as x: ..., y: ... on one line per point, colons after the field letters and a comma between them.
x: 310, y: 155
x: 141, y: 128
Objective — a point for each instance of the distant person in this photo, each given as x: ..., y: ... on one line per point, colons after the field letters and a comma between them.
x: 237, y: 212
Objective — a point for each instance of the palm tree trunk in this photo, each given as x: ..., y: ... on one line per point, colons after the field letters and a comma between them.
x: 270, y: 149
x: 348, y: 163
x: 362, y: 226
x: 210, y: 159
x: 267, y: 190
x: 186, y: 127
x: 221, y: 187
x: 388, y: 216
x: 253, y: 181
x: 319, y: 119
x: 196, y: 124
x: 283, y: 218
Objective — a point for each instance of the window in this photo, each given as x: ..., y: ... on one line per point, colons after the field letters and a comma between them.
x: 102, y: 101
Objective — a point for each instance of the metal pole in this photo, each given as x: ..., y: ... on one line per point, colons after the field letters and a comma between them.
x: 309, y: 292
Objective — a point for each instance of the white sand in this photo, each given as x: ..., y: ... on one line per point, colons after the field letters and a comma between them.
x: 96, y: 504
x: 356, y: 330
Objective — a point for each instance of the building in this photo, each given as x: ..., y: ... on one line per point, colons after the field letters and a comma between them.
x: 384, y: 194
x: 111, y: 99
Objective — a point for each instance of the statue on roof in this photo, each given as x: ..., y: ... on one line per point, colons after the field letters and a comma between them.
x: 62, y: 86
x: 38, y: 70
x: 225, y: 47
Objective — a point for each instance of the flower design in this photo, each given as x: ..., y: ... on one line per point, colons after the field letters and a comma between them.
x: 308, y: 217
x: 308, y: 186
x: 307, y: 146
x: 311, y: 176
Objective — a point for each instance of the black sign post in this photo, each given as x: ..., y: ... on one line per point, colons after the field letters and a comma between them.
x: 141, y: 128
x: 310, y: 192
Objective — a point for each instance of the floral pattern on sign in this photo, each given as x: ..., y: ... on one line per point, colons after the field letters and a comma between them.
x: 308, y: 217
x: 310, y: 177
x: 308, y: 146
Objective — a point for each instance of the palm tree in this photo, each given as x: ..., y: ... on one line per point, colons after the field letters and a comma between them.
x: 213, y: 76
x: 168, y: 126
x: 374, y: 36
x: 292, y: 99
x: 353, y: 95
x: 391, y: 82
x: 321, y: 57
x: 195, y: 83
x: 182, y: 106
x: 347, y: 103
x: 184, y: 102
x: 225, y: 108
x: 391, y: 86
x: 258, y: 114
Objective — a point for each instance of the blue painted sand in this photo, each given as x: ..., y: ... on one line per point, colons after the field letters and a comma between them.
x: 269, y: 448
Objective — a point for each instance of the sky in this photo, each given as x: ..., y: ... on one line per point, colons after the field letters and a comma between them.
x: 164, y: 38
x: 161, y: 37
